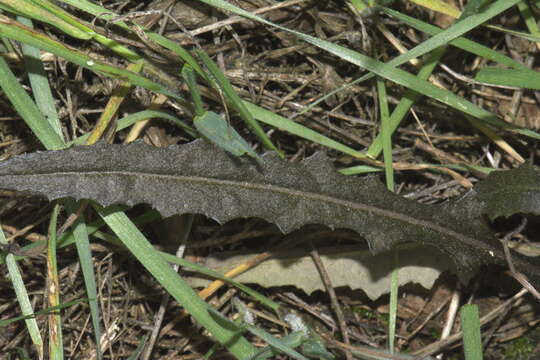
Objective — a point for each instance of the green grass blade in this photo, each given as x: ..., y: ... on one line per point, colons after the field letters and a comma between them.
x: 408, y: 80
x: 83, y: 30
x: 386, y: 139
x: 523, y: 35
x: 93, y: 229
x: 462, y: 43
x: 386, y: 134
x: 359, y: 169
x: 530, y: 21
x: 108, y: 15
x: 84, y: 253
x: 284, y: 124
x: 235, y: 101
x: 39, y: 82
x: 23, y: 299
x: 139, y: 246
x: 191, y: 82
x: 460, y: 28
x: 27, y: 109
x: 470, y: 326
x: 509, y: 77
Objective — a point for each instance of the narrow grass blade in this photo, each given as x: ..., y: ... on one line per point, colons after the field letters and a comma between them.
x: 462, y: 43
x: 268, y: 352
x: 23, y: 299
x: 410, y: 96
x: 235, y: 101
x: 84, y: 253
x: 470, y: 326
x: 139, y: 246
x: 359, y: 169
x: 178, y: 50
x: 527, y: 14
x: 92, y: 229
x: 56, y: 346
x: 510, y: 77
x: 461, y: 27
x: 191, y: 82
x: 39, y: 82
x: 108, y: 15
x: 278, y: 121
x: 523, y: 35
x: 386, y: 134
x: 27, y: 109
x: 386, y: 137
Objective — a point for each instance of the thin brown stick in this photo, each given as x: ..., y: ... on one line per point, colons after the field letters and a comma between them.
x: 333, y: 298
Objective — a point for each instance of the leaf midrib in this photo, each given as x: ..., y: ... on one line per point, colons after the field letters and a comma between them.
x: 492, y: 250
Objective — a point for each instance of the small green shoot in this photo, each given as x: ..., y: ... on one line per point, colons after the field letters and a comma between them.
x: 470, y: 325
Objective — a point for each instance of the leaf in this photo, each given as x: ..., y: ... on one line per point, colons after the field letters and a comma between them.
x: 200, y: 178
x: 349, y: 266
x: 509, y: 77
x: 509, y: 192
x: 218, y: 131
x: 470, y: 326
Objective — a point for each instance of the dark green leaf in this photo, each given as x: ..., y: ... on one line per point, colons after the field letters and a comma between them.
x: 505, y: 193
x: 201, y: 178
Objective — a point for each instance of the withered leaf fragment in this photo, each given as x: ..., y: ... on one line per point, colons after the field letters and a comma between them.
x: 201, y: 178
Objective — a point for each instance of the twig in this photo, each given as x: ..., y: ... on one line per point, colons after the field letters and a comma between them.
x: 451, y: 315
x: 333, y: 298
